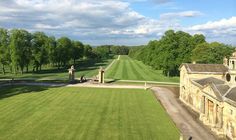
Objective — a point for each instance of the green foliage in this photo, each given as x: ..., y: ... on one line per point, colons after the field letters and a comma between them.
x: 21, y: 50
x: 39, y: 49
x: 4, y: 48
x: 103, y: 51
x: 63, y: 51
x: 211, y: 52
x: 77, y: 50
x: 175, y: 48
x: 119, y: 50
x: 20, y: 45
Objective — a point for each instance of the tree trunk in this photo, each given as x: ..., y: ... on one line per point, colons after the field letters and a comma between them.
x: 27, y: 68
x: 74, y: 62
x: 21, y: 70
x: 3, y: 69
x: 40, y: 67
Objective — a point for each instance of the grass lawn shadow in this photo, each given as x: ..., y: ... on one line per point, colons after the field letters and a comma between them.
x: 9, y: 91
x: 112, y: 80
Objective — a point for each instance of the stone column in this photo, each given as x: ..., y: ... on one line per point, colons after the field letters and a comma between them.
x: 206, y: 108
x: 101, y: 76
x: 214, y: 114
x: 203, y: 105
x: 220, y: 117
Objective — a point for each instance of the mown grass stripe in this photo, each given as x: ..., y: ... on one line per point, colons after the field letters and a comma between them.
x: 87, y: 113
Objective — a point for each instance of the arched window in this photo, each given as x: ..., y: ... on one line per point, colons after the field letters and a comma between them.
x: 233, y: 64
x: 228, y: 77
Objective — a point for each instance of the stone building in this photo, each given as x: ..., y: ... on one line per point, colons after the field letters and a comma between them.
x: 210, y: 90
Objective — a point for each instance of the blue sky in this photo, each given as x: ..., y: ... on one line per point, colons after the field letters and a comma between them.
x: 122, y: 22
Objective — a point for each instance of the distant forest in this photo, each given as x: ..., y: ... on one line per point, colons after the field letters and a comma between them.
x: 21, y: 50
x: 175, y: 48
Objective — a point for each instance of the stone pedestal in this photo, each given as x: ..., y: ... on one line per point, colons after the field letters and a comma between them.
x: 101, y: 75
x: 71, y: 74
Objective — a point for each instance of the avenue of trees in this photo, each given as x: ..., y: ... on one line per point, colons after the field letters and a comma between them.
x: 105, y: 51
x: 21, y: 50
x: 175, y: 48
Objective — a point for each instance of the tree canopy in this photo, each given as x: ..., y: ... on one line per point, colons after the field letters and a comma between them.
x: 175, y: 48
x: 20, y: 49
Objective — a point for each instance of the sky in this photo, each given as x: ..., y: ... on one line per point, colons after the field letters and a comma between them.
x: 122, y: 22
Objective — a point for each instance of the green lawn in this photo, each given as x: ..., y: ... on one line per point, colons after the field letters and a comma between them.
x: 43, y: 113
x: 88, y: 69
x: 127, y: 68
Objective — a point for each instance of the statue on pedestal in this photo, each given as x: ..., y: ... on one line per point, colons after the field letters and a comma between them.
x: 101, y: 75
x: 71, y: 74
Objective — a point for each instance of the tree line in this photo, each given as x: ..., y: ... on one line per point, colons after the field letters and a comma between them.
x: 105, y: 51
x: 21, y: 50
x: 175, y: 48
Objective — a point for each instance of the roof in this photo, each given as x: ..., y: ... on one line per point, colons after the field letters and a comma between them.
x: 231, y: 94
x: 209, y: 80
x: 222, y: 89
x: 219, y: 87
x: 205, y: 68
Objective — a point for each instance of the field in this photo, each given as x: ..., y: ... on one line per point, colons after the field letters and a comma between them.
x: 87, y: 68
x: 43, y: 113
x: 129, y: 69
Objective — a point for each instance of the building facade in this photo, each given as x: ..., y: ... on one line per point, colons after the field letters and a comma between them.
x: 210, y: 90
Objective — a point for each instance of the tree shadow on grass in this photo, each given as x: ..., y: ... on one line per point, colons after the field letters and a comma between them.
x: 9, y: 91
x: 112, y: 80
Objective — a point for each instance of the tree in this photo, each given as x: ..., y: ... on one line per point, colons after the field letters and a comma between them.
x: 39, y: 49
x: 63, y: 50
x: 4, y: 48
x: 87, y: 51
x: 103, y: 51
x: 20, y: 47
x: 211, y: 52
x: 51, y: 49
x: 175, y: 48
x: 77, y: 50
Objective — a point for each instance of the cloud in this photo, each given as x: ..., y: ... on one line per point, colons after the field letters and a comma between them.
x: 160, y: 1
x: 220, y: 24
x: 97, y: 22
x: 153, y: 1
x: 181, y: 14
x: 223, y: 27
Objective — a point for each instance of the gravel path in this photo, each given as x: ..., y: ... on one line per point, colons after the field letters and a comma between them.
x: 182, y: 118
x: 107, y: 86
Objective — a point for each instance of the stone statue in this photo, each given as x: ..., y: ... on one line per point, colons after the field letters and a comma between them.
x: 71, y: 74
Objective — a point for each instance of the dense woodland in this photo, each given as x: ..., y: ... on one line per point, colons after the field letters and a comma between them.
x: 175, y: 48
x: 21, y: 50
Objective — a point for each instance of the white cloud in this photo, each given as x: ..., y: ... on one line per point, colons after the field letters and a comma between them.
x: 181, y: 14
x: 97, y: 21
x: 223, y: 27
x: 216, y: 25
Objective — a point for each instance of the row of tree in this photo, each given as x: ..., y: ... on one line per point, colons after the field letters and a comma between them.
x: 20, y: 49
x: 175, y: 48
x: 105, y: 51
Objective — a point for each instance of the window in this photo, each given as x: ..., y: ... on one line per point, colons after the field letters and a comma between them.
x: 231, y: 112
x: 228, y: 77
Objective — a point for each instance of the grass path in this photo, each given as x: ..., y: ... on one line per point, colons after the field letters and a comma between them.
x: 125, y: 68
x: 43, y: 113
